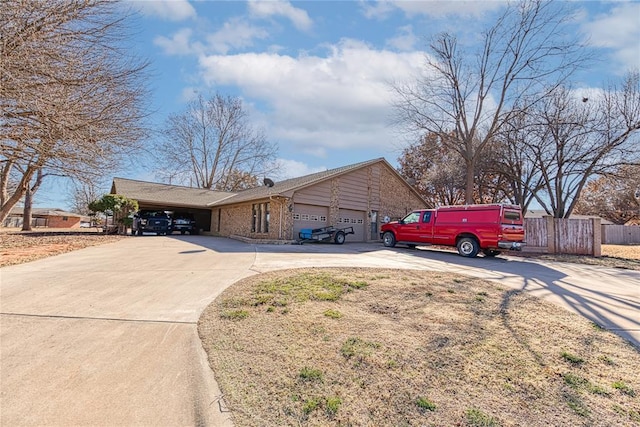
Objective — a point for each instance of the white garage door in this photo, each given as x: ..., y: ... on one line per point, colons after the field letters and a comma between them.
x: 309, y: 216
x: 355, y: 219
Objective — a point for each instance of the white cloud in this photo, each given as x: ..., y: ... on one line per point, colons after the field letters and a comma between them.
x: 377, y: 10
x: 319, y: 104
x: 405, y: 40
x: 266, y: 9
x: 235, y: 34
x: 618, y: 30
x: 434, y: 8
x: 170, y: 10
x: 293, y: 169
x: 178, y: 44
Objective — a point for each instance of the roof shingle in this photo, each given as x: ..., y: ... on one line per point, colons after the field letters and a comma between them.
x: 151, y: 192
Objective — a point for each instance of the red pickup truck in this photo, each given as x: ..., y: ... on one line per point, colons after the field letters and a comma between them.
x: 470, y: 228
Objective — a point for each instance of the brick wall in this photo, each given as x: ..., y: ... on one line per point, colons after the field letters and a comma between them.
x: 237, y: 220
x: 396, y: 199
x: 63, y: 222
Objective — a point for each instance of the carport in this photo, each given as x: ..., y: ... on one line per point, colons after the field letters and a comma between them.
x: 171, y: 198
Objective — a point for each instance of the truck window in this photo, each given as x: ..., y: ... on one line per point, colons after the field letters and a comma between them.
x: 426, y: 216
x: 411, y: 218
x: 512, y: 215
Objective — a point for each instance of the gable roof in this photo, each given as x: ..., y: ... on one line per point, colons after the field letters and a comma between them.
x: 287, y: 187
x: 19, y: 210
x: 152, y: 192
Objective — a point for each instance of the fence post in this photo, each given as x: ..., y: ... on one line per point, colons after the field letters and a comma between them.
x: 551, y: 234
x: 597, y: 237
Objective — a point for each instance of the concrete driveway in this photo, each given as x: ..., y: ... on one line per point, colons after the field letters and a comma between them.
x: 107, y: 335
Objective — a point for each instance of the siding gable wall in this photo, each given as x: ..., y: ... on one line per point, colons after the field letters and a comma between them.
x: 319, y: 194
x: 353, y: 190
x: 374, y: 187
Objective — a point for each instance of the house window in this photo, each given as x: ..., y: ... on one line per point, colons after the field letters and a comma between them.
x: 314, y: 217
x: 304, y: 217
x: 296, y: 216
x: 261, y: 217
x: 323, y: 218
x: 360, y: 221
x: 65, y: 218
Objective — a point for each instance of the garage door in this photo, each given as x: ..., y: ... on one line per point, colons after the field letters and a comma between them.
x: 355, y: 219
x: 309, y: 216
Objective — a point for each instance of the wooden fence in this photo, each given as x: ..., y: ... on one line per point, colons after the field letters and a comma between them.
x: 620, y: 234
x: 563, y: 236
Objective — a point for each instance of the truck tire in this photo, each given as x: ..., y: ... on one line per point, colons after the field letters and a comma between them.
x: 389, y: 239
x: 468, y: 247
x: 139, y: 231
x: 340, y: 238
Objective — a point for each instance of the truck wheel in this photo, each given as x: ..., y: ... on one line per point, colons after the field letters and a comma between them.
x: 182, y: 232
x: 389, y: 239
x: 340, y: 237
x: 139, y: 231
x: 468, y: 247
x: 490, y: 253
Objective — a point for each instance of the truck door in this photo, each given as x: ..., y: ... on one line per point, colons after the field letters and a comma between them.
x: 406, y: 226
x: 417, y: 228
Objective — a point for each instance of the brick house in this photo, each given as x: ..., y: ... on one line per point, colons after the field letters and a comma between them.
x: 44, y: 217
x: 358, y: 196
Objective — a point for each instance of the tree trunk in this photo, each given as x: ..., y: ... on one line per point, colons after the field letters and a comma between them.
x: 16, y: 195
x: 28, y: 201
x: 27, y: 216
x: 470, y: 181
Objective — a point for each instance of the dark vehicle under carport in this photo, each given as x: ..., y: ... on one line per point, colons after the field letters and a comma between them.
x: 201, y: 217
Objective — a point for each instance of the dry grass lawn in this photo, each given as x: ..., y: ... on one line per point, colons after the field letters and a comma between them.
x: 18, y: 248
x: 362, y: 347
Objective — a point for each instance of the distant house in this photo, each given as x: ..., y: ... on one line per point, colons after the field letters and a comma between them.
x: 358, y: 196
x: 44, y: 217
x: 535, y: 213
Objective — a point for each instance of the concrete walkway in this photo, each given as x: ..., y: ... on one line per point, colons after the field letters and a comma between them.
x: 107, y: 336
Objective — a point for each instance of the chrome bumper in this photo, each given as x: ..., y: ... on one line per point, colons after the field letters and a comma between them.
x: 512, y: 246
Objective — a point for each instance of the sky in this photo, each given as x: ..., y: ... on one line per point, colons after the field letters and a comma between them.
x: 317, y: 75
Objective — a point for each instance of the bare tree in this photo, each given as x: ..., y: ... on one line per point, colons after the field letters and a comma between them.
x: 573, y: 140
x: 514, y: 161
x: 212, y: 145
x: 467, y: 99
x: 437, y: 173
x: 82, y: 193
x: 72, y: 96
